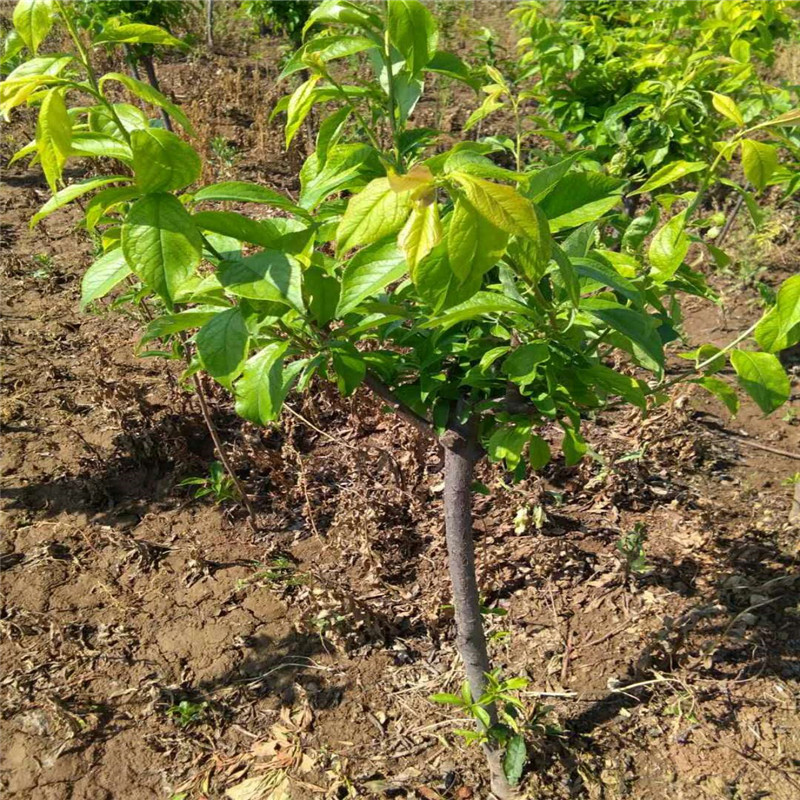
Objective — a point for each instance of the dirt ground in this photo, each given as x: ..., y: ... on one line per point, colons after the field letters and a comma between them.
x: 154, y: 646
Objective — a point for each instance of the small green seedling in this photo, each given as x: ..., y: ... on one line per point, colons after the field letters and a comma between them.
x: 224, y: 151
x: 218, y: 483
x: 186, y: 713
x: 280, y: 572
x: 508, y: 732
x: 631, y: 548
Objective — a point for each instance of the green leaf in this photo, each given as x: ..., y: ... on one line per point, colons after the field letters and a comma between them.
x: 502, y: 206
x: 521, y: 365
x: 637, y: 326
x: 146, y: 92
x: 347, y: 166
x: 598, y: 269
x: 239, y: 227
x: 263, y: 387
x: 70, y: 193
x: 103, y: 276
x: 568, y: 274
x: 161, y: 243
x: 542, y: 182
x: 491, y: 103
x: 640, y: 228
x: 787, y: 118
x: 98, y: 145
x: 243, y: 192
x: 373, y: 214
x: 452, y: 66
x: 412, y: 30
x: 368, y: 272
x: 350, y: 369
x: 615, y: 383
x: 321, y: 292
x: 29, y: 76
x: 480, y: 304
x: 222, y: 346
x: 344, y: 13
x: 421, y: 234
x: 759, y: 161
x: 538, y: 452
x: 53, y: 136
x: 105, y: 200
x: 727, y: 107
x: 162, y: 161
x: 669, y: 247
x: 437, y: 284
x: 325, y: 48
x: 473, y: 243
x: 779, y: 328
x: 574, y: 447
x: 300, y: 104
x: 514, y: 760
x: 580, y: 197
x: 130, y: 117
x: 330, y: 130
x: 762, y: 377
x: 446, y: 699
x: 136, y: 33
x: 32, y: 20
x: 267, y: 275
x: 175, y: 323
x: 721, y: 390
x: 507, y: 443
x: 669, y: 174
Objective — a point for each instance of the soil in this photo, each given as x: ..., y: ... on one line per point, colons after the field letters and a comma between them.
x: 154, y: 646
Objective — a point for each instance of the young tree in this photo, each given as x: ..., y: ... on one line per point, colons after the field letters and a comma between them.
x: 478, y: 303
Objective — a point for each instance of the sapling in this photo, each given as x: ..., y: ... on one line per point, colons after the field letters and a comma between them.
x: 480, y: 304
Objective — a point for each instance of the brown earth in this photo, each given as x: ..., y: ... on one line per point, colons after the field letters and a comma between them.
x: 307, y: 651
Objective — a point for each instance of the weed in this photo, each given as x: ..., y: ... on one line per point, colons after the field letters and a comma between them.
x: 225, y: 152
x: 218, y: 483
x: 631, y: 548
x: 186, y: 713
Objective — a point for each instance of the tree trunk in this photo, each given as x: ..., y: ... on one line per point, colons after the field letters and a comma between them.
x: 147, y: 60
x: 461, y: 452
x: 210, y: 23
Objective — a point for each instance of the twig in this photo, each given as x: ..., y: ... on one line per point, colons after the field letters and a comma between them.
x: 758, y: 446
x: 400, y: 408
x: 729, y: 221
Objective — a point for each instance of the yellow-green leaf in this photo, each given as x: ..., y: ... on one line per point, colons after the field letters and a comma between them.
x: 373, y: 214
x: 421, y: 234
x: 759, y: 161
x: 53, y: 136
x: 299, y: 105
x: 669, y: 247
x: 779, y: 328
x: 762, y: 377
x: 727, y: 107
x: 33, y: 20
x: 501, y: 205
x: 473, y: 243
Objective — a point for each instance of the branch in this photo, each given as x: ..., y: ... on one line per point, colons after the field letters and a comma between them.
x: 401, y: 409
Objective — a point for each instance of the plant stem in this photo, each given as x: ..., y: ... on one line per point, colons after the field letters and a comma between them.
x: 703, y: 364
x: 83, y: 56
x: 212, y: 429
x: 459, y: 463
x: 356, y: 113
x: 387, y: 60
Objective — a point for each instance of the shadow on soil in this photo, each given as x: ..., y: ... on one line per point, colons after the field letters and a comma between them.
x: 743, y: 630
